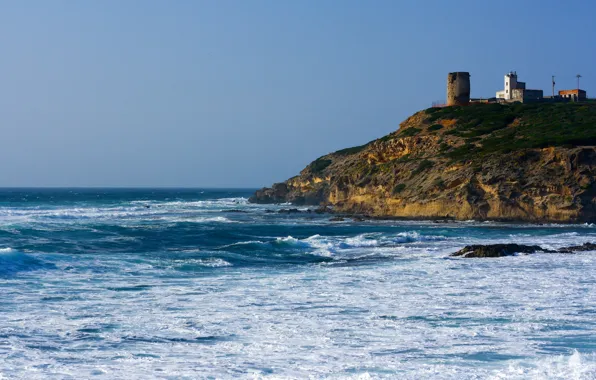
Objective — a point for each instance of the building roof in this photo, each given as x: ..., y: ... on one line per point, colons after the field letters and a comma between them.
x: 576, y: 91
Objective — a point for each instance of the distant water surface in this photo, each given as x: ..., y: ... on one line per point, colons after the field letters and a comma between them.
x: 197, y: 283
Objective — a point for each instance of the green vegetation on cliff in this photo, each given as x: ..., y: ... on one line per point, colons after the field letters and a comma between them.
x: 538, y: 125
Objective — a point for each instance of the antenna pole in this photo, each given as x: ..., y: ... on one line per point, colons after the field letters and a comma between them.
x: 553, y: 86
x: 578, y: 76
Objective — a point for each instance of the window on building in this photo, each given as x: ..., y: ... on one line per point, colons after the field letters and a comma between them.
x: 507, y: 91
x: 506, y: 83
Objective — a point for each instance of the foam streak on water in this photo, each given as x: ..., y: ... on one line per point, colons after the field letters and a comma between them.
x: 127, y: 284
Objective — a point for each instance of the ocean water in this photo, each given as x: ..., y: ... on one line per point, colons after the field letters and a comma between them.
x: 186, y: 284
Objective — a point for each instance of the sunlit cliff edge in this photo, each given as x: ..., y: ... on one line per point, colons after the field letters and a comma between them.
x: 521, y: 162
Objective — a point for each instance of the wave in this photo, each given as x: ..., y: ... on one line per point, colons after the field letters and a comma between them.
x: 199, y: 219
x: 293, y: 242
x: 13, y: 261
x: 334, y: 246
x: 574, y: 366
x: 70, y: 215
x: 202, y: 204
x: 211, y: 262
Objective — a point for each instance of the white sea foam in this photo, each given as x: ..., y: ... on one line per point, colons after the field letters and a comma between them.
x: 561, y: 367
x: 199, y: 219
x: 204, y: 204
x: 213, y: 262
x: 360, y: 241
x: 291, y: 241
x: 241, y: 243
x: 344, y: 247
x: 105, y: 214
x: 413, y: 319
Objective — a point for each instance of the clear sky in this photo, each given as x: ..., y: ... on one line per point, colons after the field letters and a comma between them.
x: 245, y: 93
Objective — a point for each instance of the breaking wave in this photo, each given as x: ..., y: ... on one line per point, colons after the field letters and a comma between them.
x: 560, y: 367
x: 13, y: 261
x: 335, y: 246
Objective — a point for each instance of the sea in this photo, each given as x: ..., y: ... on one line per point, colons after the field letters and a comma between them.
x: 201, y: 284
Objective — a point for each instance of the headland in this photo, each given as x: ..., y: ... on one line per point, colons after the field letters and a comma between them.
x: 510, y: 161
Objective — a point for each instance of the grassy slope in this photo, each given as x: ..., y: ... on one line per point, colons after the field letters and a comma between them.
x: 507, y: 128
x: 486, y: 129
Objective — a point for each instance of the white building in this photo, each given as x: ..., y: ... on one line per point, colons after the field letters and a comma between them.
x: 511, y: 84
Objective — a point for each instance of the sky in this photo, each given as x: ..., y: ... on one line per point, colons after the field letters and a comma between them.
x: 192, y: 93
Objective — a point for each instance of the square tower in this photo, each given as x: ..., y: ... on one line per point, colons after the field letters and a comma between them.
x: 510, y: 84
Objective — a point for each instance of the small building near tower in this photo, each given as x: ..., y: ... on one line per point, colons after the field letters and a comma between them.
x: 515, y: 91
x: 526, y: 96
x: 573, y: 95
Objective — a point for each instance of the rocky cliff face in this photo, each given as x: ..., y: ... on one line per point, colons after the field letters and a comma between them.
x: 483, y: 162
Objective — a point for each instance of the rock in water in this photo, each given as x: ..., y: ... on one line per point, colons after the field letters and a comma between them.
x: 323, y: 210
x: 275, y: 194
x: 496, y: 250
x: 578, y: 248
x: 289, y: 211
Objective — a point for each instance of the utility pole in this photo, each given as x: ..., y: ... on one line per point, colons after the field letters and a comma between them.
x: 578, y: 76
x: 553, y: 86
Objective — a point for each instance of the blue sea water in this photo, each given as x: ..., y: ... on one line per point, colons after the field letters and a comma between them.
x: 198, y: 283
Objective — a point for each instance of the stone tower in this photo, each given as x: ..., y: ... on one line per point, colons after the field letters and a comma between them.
x: 458, y: 89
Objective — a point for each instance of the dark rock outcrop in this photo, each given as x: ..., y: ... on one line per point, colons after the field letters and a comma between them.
x: 274, y: 194
x: 496, y: 250
x: 501, y: 250
x: 578, y: 248
x: 289, y: 211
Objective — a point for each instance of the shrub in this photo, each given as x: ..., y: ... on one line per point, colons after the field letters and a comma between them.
x: 320, y: 164
x: 388, y: 137
x: 424, y: 164
x: 404, y: 158
x: 348, y: 151
x: 435, y: 127
x: 432, y: 110
x: 444, y: 147
x: 463, y: 151
x: 409, y: 132
x: 399, y: 188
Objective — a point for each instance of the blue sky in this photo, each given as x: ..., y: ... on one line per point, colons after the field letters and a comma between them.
x: 246, y: 93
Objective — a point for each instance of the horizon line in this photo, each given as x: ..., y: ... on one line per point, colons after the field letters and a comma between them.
x: 133, y: 187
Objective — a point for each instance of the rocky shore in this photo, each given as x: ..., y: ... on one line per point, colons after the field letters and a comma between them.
x: 501, y: 250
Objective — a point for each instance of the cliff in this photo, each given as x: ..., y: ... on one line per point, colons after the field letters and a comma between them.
x: 525, y: 162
